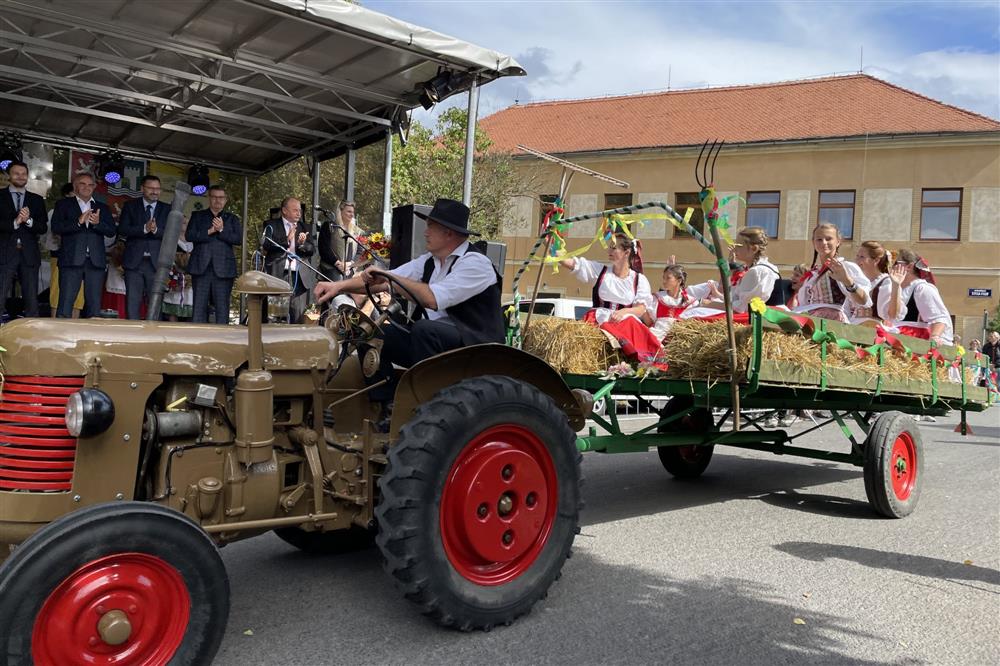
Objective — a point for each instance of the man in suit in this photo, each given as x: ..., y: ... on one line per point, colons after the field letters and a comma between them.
x: 83, y: 223
x: 292, y: 234
x: 142, y: 222
x: 214, y: 232
x: 22, y: 221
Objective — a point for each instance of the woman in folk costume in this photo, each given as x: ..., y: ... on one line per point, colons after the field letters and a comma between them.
x: 911, y: 300
x: 874, y: 261
x: 755, y: 281
x: 620, y: 295
x: 665, y: 306
x: 832, y: 283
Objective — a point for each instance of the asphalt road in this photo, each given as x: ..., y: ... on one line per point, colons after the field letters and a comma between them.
x: 763, y: 560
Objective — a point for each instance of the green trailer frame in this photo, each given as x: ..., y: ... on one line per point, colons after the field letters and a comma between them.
x: 849, y: 396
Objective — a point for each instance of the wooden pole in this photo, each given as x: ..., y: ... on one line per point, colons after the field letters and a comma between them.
x: 730, y: 328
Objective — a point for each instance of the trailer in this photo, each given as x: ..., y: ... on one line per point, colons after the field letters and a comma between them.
x: 873, y: 411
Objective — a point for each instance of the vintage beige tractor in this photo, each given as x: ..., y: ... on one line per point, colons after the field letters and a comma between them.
x: 131, y: 451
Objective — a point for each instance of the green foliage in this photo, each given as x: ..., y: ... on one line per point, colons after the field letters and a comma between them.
x: 433, y: 163
x: 994, y: 324
x: 430, y: 166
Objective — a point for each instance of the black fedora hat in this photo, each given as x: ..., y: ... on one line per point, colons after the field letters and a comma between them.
x: 450, y: 213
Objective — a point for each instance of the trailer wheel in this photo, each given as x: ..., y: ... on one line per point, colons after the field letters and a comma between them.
x: 124, y: 582
x: 685, y: 462
x: 893, y: 461
x: 334, y: 542
x: 480, y: 502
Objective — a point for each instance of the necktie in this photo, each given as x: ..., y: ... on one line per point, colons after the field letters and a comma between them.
x: 149, y: 212
x: 290, y: 232
x: 19, y: 200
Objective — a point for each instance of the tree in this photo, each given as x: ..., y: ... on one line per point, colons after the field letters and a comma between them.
x: 432, y: 165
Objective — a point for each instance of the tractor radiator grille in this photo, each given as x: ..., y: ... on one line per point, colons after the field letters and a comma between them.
x: 36, y: 450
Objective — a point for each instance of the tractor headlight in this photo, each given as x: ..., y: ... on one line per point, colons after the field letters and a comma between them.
x: 89, y: 412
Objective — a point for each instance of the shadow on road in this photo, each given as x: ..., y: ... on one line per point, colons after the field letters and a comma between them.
x: 826, y: 505
x: 918, y: 565
x: 629, y: 485
x: 343, y: 609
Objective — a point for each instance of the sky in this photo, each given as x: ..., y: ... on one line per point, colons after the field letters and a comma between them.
x: 949, y: 51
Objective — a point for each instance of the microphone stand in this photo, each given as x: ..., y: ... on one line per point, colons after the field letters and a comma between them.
x: 299, y: 261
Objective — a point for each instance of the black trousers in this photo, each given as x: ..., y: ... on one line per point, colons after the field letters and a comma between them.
x: 425, y: 339
x: 209, y: 287
x: 70, y: 278
x: 138, y: 287
x: 27, y: 276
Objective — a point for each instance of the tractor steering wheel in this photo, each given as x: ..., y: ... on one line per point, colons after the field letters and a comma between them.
x: 410, y: 314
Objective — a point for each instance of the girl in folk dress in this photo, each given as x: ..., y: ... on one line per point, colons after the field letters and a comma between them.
x: 757, y: 281
x: 620, y: 295
x: 874, y: 261
x: 665, y: 306
x: 832, y: 282
x: 910, y: 299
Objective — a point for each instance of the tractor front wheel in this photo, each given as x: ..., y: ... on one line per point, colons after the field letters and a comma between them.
x: 118, y: 583
x: 480, y: 502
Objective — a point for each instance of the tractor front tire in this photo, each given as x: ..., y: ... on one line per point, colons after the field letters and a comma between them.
x: 480, y: 502
x: 122, y: 582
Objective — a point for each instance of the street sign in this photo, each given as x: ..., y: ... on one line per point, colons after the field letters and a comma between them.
x: 980, y: 293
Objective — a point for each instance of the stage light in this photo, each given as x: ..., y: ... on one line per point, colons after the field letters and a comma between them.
x: 10, y: 149
x: 436, y: 89
x: 111, y: 166
x: 198, y: 179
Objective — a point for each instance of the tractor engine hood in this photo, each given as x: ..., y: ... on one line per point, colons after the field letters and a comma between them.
x: 62, y: 347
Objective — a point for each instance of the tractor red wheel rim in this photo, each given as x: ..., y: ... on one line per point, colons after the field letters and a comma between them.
x: 499, y: 505
x: 129, y: 608
x: 903, y: 467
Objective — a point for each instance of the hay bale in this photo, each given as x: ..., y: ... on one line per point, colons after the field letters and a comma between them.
x: 569, y: 346
x: 699, y: 350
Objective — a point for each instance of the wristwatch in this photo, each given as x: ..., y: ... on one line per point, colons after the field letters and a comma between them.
x: 853, y: 288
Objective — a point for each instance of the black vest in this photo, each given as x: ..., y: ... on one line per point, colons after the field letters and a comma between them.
x: 876, y: 288
x: 596, y: 297
x: 478, y: 318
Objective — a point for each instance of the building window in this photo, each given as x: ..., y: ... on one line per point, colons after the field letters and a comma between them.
x: 837, y: 208
x: 617, y: 201
x: 940, y: 212
x: 683, y: 201
x: 762, y: 211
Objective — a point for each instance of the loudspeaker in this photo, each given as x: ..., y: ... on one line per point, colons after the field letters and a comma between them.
x: 407, y: 234
x: 497, y: 254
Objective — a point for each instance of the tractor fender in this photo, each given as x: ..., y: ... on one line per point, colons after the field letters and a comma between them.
x: 419, y: 383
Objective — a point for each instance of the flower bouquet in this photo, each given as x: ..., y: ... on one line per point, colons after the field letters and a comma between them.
x: 378, y: 243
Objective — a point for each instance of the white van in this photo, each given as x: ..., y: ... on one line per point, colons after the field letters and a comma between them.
x: 565, y: 308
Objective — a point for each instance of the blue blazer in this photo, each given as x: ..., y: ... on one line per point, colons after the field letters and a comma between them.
x: 78, y: 239
x: 28, y: 254
x: 213, y: 252
x: 131, y: 227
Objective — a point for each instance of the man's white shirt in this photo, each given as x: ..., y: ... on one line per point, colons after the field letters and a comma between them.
x: 470, y: 273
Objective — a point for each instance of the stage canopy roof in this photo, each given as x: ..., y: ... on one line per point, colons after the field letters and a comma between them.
x: 242, y: 85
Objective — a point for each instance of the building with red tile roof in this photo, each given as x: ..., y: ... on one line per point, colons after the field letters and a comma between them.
x: 882, y: 162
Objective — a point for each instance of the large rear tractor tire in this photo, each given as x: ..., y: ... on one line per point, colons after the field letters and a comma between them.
x: 480, y: 502
x: 894, y: 454
x: 117, y: 583
x: 685, y: 462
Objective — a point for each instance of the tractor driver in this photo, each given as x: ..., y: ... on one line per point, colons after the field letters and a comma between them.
x: 455, y: 283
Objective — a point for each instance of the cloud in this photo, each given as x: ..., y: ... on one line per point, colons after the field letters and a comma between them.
x: 592, y: 49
